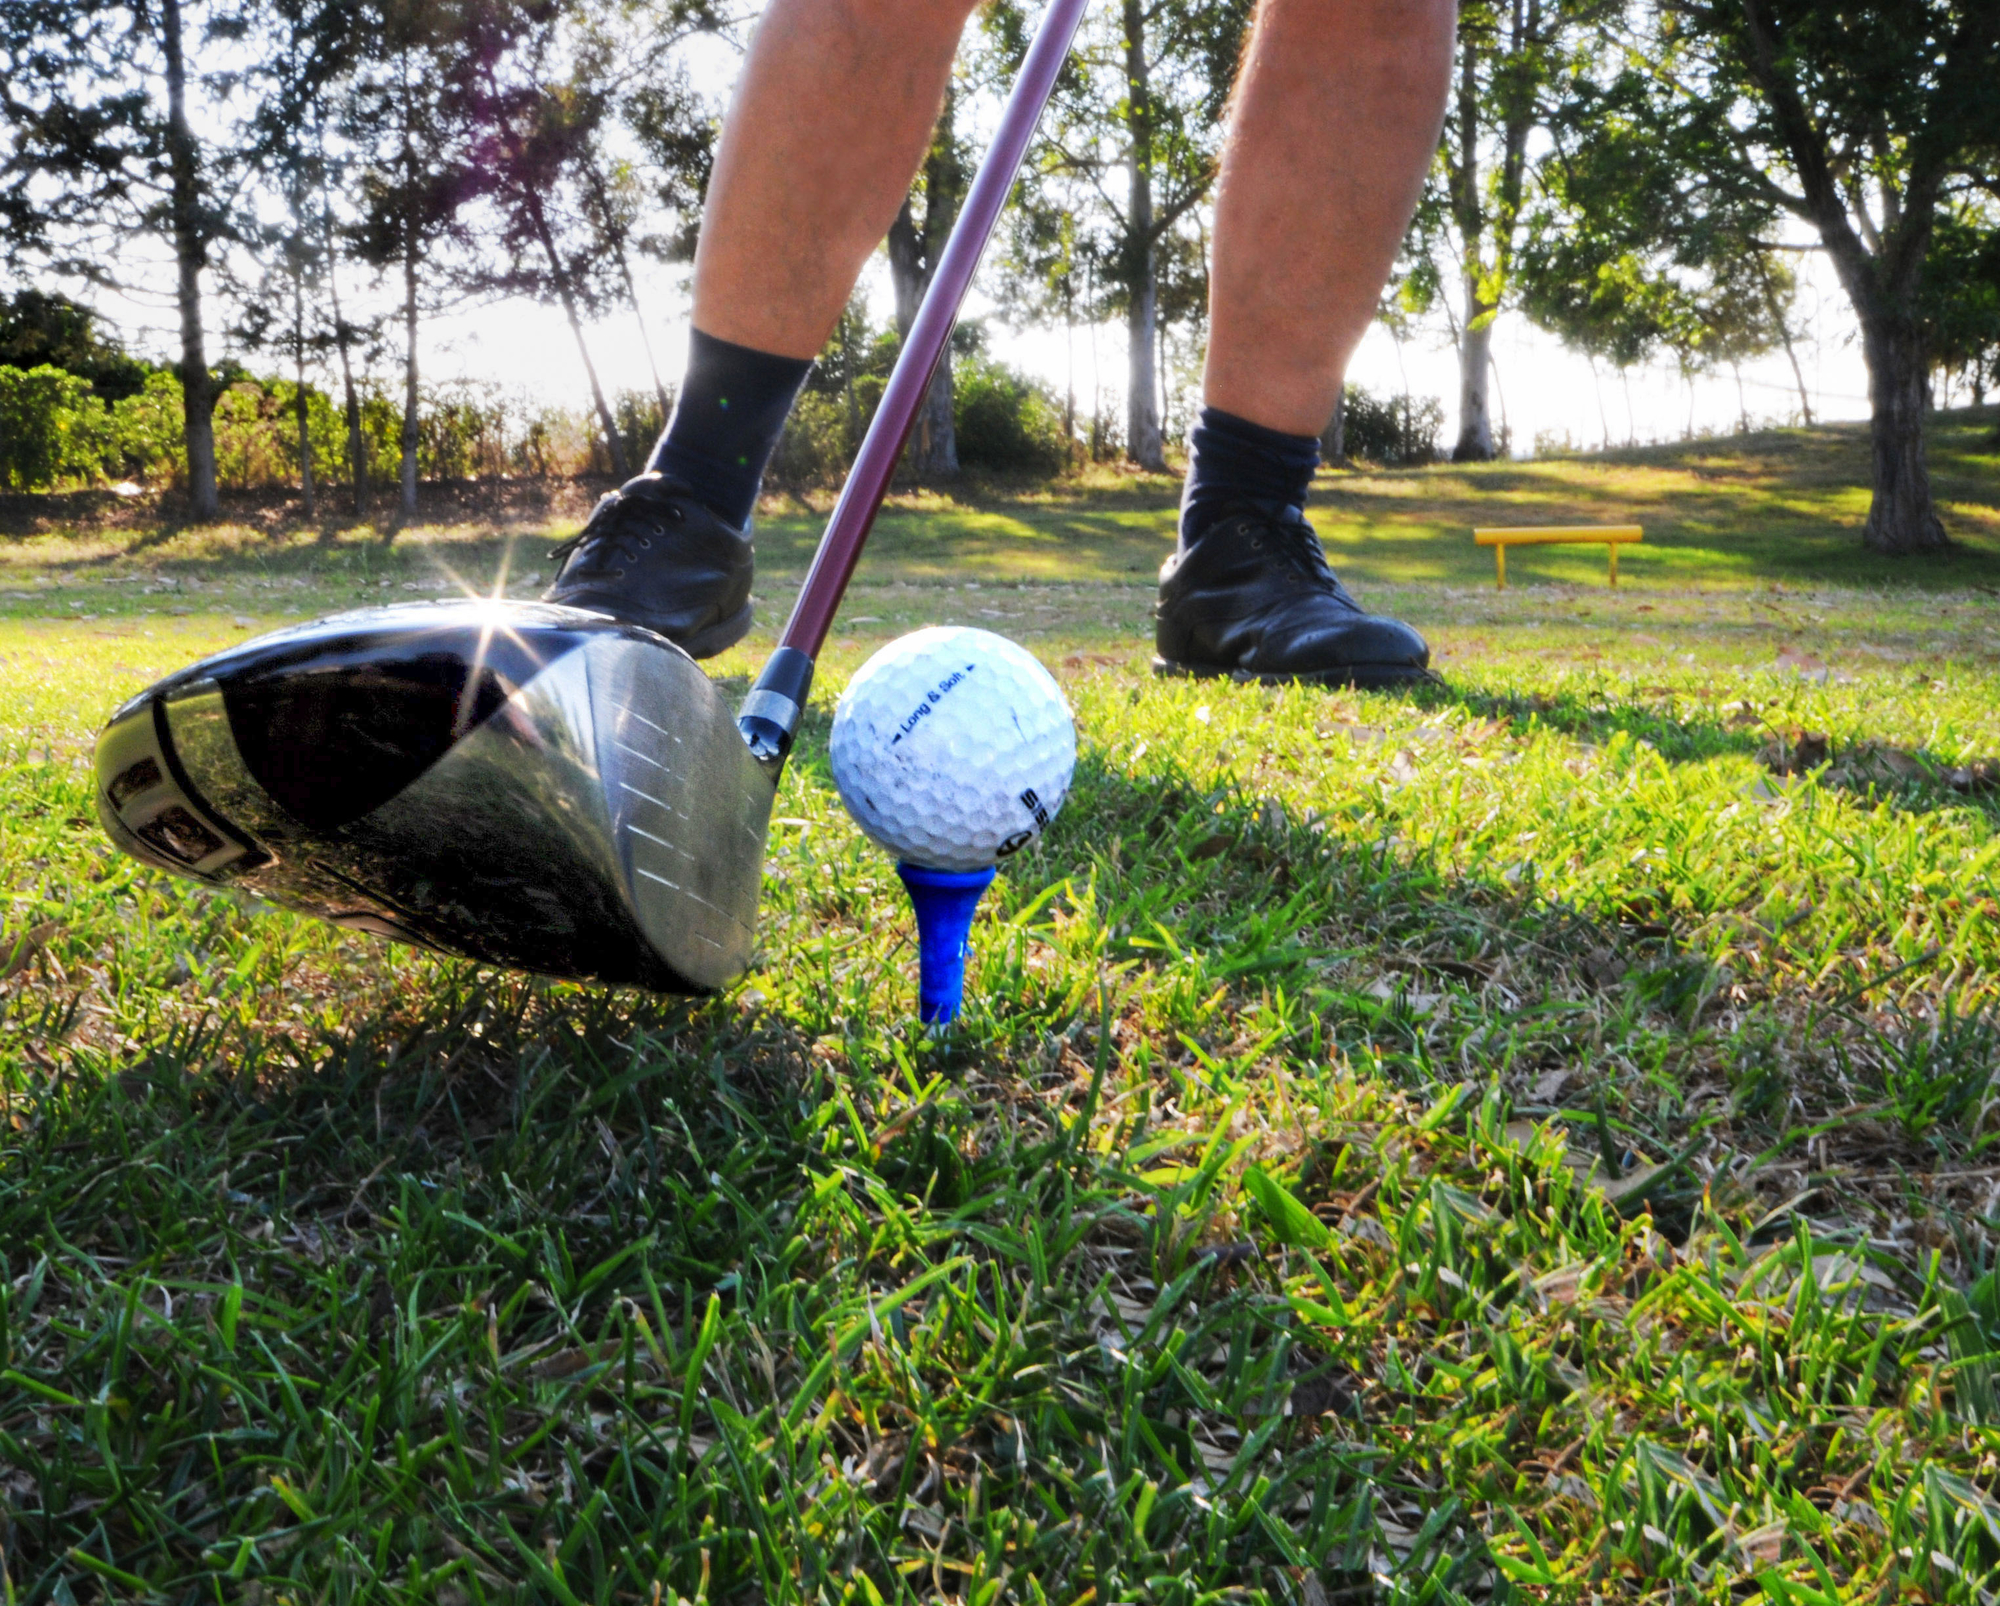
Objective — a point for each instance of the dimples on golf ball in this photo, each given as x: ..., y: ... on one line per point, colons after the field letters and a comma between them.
x: 953, y: 748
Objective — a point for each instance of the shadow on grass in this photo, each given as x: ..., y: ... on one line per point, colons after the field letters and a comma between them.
x: 1783, y: 505
x: 1912, y: 780
x: 513, y: 1276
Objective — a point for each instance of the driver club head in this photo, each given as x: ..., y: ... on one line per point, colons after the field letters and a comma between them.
x: 534, y: 786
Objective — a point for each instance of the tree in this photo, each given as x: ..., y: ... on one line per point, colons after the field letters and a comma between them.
x: 658, y: 174
x: 406, y: 112
x: 1961, y: 297
x: 533, y: 135
x: 102, y: 152
x: 1130, y: 149
x: 304, y: 54
x: 1864, y: 122
x: 1628, y: 252
x: 1513, y: 60
x: 1042, y: 282
x: 551, y: 80
x: 916, y: 239
x: 39, y: 328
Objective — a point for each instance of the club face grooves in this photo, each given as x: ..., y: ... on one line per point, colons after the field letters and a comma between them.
x: 532, y: 786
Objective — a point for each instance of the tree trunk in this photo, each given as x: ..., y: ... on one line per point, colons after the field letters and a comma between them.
x: 934, y: 442
x: 933, y: 450
x: 1475, y: 420
x: 299, y: 364
x: 191, y: 256
x: 1142, y: 292
x: 343, y: 339
x: 1333, y: 440
x: 1901, y: 517
x: 1069, y: 384
x: 1475, y: 359
x: 613, y: 234
x: 408, y: 505
x: 1143, y: 443
x: 560, y: 275
x: 913, y: 254
x: 1778, y: 317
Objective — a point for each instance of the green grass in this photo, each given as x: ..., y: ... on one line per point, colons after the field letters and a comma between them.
x: 1730, y: 513
x: 1531, y: 1139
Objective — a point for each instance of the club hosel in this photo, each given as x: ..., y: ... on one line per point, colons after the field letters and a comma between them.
x: 771, y: 713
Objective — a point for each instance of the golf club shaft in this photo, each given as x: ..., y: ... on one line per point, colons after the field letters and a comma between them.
x: 875, y: 465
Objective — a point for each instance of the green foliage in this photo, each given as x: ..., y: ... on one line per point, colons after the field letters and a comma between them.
x: 639, y: 424
x: 1961, y: 295
x: 59, y: 432
x: 148, y: 442
x: 38, y: 328
x: 1005, y: 422
x: 52, y: 428
x: 1396, y: 431
x: 1860, y: 122
x: 1624, y: 258
x: 461, y: 433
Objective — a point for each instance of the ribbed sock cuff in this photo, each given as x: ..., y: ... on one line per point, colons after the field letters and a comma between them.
x: 727, y: 421
x: 1232, y: 460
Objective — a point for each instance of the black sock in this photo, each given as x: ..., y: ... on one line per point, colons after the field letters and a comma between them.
x: 1231, y: 460
x: 727, y: 420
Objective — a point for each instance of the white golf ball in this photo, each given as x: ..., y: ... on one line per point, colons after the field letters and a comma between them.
x: 953, y: 748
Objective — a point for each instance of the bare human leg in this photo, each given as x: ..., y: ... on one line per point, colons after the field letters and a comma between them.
x: 1337, y: 112
x: 830, y: 120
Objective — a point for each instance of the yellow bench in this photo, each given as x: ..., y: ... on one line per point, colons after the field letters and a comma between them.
x: 1612, y: 535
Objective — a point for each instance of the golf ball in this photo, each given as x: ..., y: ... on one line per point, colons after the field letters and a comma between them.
x: 953, y: 748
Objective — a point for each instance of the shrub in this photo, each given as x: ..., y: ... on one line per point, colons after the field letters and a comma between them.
x: 52, y: 428
x: 251, y: 447
x: 462, y: 430
x: 555, y: 441
x: 147, y: 442
x: 637, y: 414
x: 819, y: 442
x: 1394, y: 430
x: 1005, y: 422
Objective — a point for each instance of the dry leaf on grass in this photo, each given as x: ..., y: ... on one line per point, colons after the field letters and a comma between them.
x: 1796, y: 752
x: 20, y: 953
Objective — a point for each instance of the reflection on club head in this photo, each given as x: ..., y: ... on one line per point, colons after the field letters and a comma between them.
x: 535, y: 786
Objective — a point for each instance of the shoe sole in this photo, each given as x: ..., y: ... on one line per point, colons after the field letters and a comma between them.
x: 1364, y: 677
x: 717, y: 637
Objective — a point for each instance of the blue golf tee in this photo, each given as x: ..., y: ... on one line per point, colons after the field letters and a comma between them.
x: 944, y: 901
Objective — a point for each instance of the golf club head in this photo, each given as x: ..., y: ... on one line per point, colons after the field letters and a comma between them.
x: 534, y: 786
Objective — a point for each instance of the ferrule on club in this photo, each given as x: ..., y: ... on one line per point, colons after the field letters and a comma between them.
x: 771, y: 713
x: 945, y: 901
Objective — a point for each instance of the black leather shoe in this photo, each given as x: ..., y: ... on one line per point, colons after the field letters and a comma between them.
x: 1254, y: 599
x: 654, y: 556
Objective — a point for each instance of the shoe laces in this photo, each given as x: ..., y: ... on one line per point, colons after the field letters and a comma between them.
x: 620, y: 527
x: 1287, y: 536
